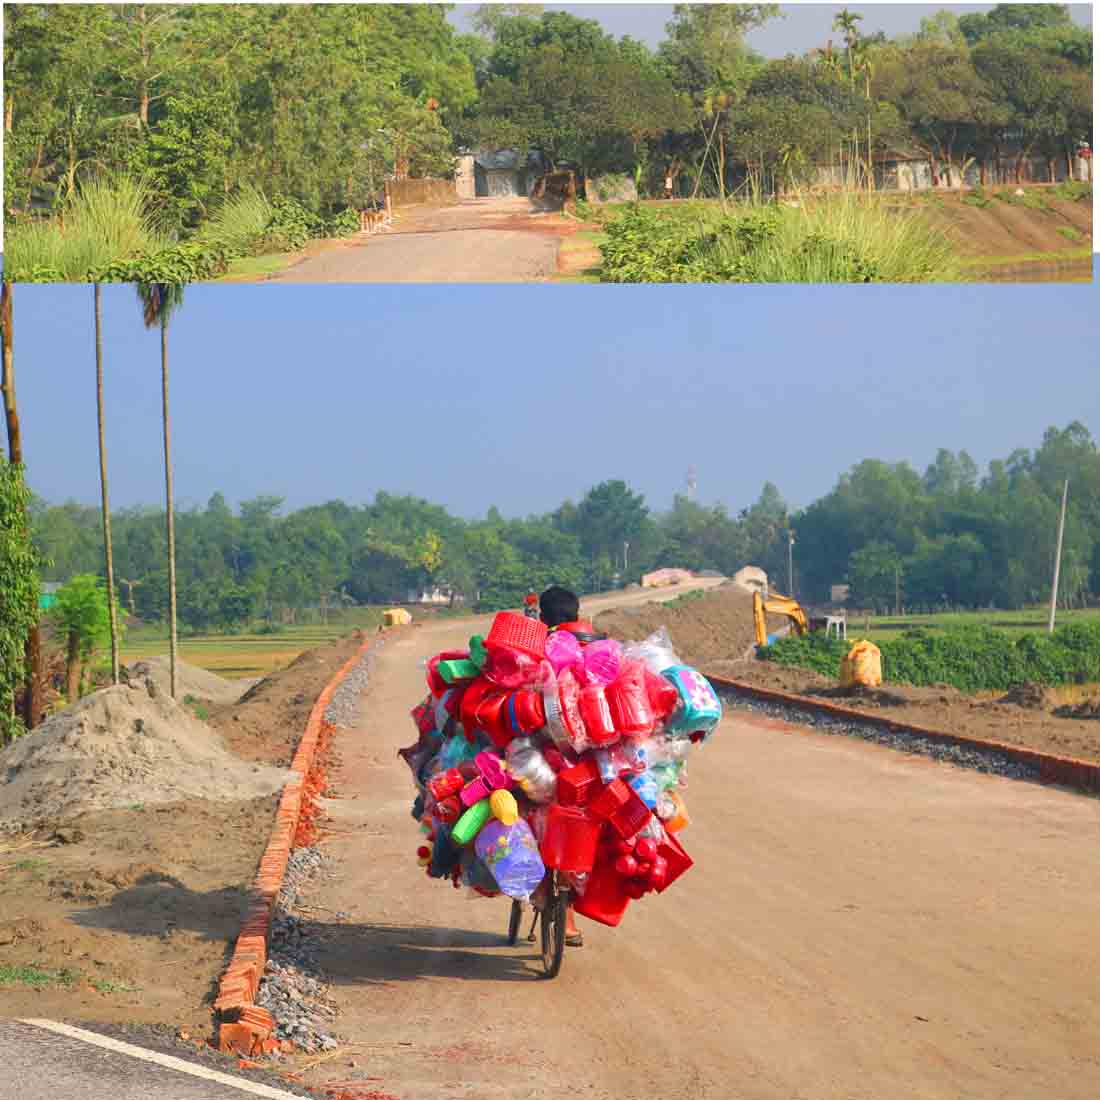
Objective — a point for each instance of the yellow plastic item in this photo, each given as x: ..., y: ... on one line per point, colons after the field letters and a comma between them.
x: 680, y: 819
x: 397, y: 616
x: 862, y: 666
x: 504, y: 807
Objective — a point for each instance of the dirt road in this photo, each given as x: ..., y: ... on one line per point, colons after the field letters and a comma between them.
x: 860, y: 924
x: 479, y: 241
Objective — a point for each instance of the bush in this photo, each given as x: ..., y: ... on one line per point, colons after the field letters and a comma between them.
x: 1074, y: 191
x: 241, y: 222
x: 847, y: 239
x: 105, y: 221
x: 291, y: 225
x: 969, y: 658
x: 344, y: 224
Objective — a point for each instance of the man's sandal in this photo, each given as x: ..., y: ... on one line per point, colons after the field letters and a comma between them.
x: 575, y: 939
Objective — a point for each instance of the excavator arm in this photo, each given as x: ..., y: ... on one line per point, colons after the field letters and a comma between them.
x: 777, y: 604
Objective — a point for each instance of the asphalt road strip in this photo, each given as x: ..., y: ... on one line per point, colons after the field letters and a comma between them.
x: 166, y: 1061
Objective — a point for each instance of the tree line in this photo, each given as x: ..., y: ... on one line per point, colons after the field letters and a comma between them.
x: 321, y: 103
x: 949, y: 537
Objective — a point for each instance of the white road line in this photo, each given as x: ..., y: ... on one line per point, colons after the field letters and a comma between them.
x: 165, y: 1060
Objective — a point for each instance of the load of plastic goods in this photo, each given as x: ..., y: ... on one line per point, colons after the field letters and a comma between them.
x: 537, y: 752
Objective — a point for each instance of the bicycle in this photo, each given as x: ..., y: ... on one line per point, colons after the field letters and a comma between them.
x: 550, y: 916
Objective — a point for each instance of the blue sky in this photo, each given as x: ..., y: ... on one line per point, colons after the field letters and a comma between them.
x: 802, y: 27
x: 521, y: 397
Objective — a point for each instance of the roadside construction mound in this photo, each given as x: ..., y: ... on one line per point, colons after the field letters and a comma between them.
x: 122, y: 746
x: 190, y: 680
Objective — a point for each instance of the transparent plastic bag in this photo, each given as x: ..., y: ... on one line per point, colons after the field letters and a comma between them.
x: 656, y: 651
x: 530, y: 769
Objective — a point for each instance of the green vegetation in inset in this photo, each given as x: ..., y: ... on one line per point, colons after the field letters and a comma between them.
x: 1069, y: 233
x: 216, y: 109
x: 844, y: 239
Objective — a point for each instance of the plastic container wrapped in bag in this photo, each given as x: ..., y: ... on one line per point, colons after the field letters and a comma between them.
x: 512, y: 855
x: 530, y: 769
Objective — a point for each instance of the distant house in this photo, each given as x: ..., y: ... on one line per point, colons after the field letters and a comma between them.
x: 436, y: 596
x: 660, y: 578
x: 838, y: 593
x: 497, y: 173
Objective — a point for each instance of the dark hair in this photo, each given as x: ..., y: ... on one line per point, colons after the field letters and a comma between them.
x: 558, y: 605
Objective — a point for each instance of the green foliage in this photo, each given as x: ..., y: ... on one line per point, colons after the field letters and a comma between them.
x: 81, y: 610
x: 840, y: 240
x: 1073, y: 191
x: 19, y: 591
x: 291, y: 224
x: 344, y: 224
x: 971, y: 659
x: 1068, y: 232
x: 107, y: 220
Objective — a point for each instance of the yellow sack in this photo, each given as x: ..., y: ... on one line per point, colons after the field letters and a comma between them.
x: 397, y: 616
x: 862, y: 665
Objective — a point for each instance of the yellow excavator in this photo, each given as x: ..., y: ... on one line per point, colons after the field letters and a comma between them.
x: 777, y: 604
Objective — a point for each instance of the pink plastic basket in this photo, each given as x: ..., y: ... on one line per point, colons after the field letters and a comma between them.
x: 511, y: 630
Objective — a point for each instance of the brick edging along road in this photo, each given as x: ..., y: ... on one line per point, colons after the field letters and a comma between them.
x: 245, y: 1027
x: 1064, y: 771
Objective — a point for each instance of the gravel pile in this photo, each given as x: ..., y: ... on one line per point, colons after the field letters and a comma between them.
x: 343, y: 707
x: 293, y: 989
x: 982, y: 760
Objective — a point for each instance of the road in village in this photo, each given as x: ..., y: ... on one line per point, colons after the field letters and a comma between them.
x: 476, y: 241
x: 860, y: 924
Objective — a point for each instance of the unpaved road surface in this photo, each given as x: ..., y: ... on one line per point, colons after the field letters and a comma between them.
x: 478, y: 241
x: 860, y: 924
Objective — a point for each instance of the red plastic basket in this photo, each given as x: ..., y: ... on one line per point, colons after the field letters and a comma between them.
x: 571, y: 839
x: 604, y: 899
x: 577, y: 785
x: 678, y: 860
x: 512, y: 630
x: 631, y: 815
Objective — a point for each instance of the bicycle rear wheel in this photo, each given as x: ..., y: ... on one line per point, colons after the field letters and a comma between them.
x: 553, y: 932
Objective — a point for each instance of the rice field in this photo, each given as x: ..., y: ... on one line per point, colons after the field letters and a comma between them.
x: 251, y: 653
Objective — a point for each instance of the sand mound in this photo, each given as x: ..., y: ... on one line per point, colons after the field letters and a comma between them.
x: 714, y: 626
x: 118, y: 747
x: 196, y: 682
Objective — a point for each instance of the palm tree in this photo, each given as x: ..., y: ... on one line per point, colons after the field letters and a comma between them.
x: 845, y: 21
x: 159, y: 301
x: 107, y: 550
x: 32, y: 695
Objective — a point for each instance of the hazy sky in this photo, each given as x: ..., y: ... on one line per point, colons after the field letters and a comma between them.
x: 802, y: 27
x: 524, y: 396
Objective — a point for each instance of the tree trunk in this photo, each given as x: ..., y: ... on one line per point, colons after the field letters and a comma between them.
x: 107, y: 550
x: 168, y: 507
x: 32, y: 692
x: 72, y: 668
x: 9, y: 114
x: 1050, y: 169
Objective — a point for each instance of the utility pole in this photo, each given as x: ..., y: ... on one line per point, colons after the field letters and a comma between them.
x: 790, y: 562
x: 1058, y: 558
x: 897, y: 589
x: 626, y: 559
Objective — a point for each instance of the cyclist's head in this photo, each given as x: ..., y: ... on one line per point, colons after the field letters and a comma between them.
x: 558, y: 605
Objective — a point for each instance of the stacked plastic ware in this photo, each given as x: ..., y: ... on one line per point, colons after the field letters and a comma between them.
x: 537, y: 752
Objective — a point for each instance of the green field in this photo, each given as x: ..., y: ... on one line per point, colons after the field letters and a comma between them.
x: 249, y: 653
x: 878, y: 628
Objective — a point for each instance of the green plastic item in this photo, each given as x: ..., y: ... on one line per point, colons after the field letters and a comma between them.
x: 478, y: 653
x: 457, y: 670
x: 471, y: 822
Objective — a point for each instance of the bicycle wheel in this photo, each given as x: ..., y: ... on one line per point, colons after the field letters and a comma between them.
x: 513, y: 922
x: 553, y: 932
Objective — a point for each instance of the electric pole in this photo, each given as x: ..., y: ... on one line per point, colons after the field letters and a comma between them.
x: 790, y: 562
x: 1058, y: 558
